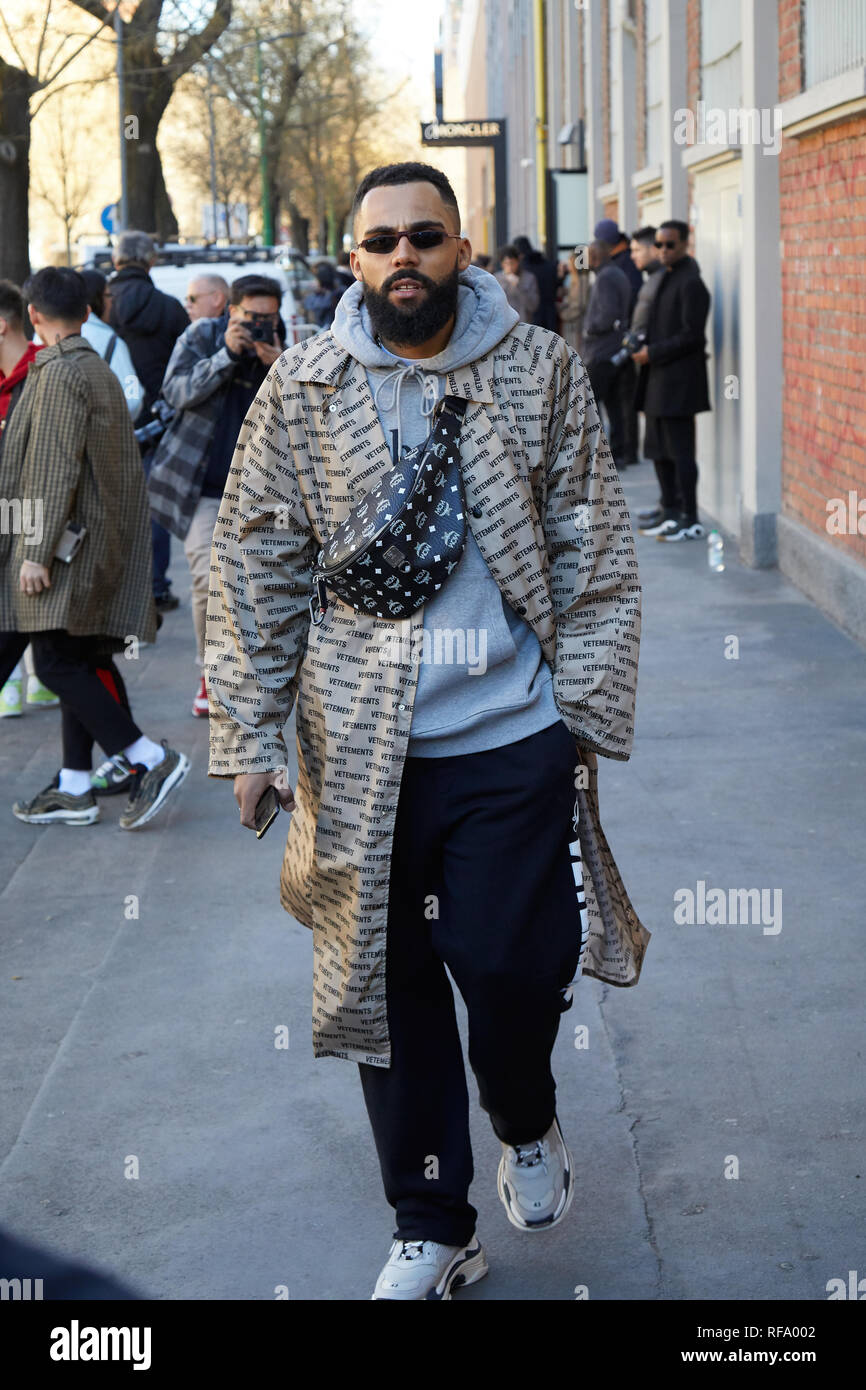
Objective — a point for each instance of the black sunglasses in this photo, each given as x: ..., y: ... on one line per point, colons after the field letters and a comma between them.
x: 424, y: 240
x: 669, y: 244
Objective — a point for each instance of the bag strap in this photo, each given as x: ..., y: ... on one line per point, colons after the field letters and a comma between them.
x: 109, y: 351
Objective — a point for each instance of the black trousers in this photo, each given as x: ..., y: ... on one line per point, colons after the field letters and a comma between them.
x: 481, y: 882
x: 91, y: 712
x: 604, y: 380
x: 626, y: 387
x: 669, y: 440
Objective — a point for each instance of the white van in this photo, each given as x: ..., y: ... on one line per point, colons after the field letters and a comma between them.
x: 174, y: 280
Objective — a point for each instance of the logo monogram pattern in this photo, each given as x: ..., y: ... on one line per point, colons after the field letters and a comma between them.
x: 533, y: 450
x: 349, y: 547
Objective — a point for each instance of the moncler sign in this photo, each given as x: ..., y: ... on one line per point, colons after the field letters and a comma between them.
x: 461, y: 130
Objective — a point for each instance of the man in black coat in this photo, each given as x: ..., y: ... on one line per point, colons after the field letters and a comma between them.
x: 626, y: 381
x: 672, y: 388
x: 150, y: 323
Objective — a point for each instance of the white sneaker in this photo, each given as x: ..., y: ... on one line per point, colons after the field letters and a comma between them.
x: 535, y: 1181
x: 10, y: 698
x: 39, y: 694
x: 419, y: 1269
x: 659, y: 528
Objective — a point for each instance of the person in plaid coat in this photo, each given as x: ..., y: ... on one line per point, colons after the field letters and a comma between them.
x: 70, y: 467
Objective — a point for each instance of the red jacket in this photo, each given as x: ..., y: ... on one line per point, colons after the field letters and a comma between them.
x: 15, y: 378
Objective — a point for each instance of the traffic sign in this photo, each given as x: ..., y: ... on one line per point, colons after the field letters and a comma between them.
x: 110, y: 217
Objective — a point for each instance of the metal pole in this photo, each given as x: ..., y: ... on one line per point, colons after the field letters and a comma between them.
x: 213, y: 187
x: 267, y: 221
x: 121, y: 103
x: 539, y: 44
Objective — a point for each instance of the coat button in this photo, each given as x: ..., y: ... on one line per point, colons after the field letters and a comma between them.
x: 520, y: 611
x: 476, y: 510
x: 333, y: 409
x: 401, y: 706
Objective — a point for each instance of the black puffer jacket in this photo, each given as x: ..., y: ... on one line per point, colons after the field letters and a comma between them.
x: 149, y: 322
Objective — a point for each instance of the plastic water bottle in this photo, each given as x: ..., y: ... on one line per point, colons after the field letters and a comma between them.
x: 715, y: 551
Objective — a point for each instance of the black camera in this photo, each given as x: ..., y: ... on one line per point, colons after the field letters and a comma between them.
x: 161, y: 416
x: 260, y: 332
x: 632, y: 342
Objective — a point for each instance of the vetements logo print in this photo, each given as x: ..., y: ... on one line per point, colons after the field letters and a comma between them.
x: 418, y: 501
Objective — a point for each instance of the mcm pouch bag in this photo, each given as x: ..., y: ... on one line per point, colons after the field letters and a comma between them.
x: 401, y: 542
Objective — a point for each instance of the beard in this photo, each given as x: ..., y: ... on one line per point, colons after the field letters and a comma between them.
x: 412, y: 325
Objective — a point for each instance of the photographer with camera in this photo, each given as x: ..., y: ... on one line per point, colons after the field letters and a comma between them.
x: 211, y: 380
x: 604, y: 325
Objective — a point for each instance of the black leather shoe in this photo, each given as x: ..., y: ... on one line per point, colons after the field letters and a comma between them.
x: 166, y: 603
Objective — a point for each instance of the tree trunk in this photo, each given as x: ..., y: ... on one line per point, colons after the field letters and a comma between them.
x: 15, y: 89
x: 150, y: 208
x: 300, y: 230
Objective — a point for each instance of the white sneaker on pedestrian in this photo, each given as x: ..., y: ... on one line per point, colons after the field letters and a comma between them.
x: 535, y: 1181
x: 660, y: 528
x: 419, y: 1269
x: 11, y: 702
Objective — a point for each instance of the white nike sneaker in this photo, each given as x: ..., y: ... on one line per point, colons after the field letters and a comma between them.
x: 535, y: 1181
x: 419, y: 1269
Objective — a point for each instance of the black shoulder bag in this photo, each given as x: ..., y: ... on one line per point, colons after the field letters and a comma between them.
x: 401, y: 542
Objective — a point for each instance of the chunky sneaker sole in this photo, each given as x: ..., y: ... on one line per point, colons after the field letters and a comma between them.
x: 668, y: 523
x: 51, y: 806
x: 150, y: 794
x: 419, y: 1270
x: 509, y: 1188
x: 694, y: 531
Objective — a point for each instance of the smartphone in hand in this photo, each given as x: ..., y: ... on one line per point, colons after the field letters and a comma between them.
x: 267, y: 810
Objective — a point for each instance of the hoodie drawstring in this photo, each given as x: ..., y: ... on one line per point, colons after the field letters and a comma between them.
x: 429, y: 392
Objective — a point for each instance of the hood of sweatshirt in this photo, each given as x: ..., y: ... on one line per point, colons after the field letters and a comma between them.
x: 484, y: 316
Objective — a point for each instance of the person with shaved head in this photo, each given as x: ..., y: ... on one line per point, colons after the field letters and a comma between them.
x: 206, y: 297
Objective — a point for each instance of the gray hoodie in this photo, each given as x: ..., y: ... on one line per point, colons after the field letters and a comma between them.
x: 482, y: 680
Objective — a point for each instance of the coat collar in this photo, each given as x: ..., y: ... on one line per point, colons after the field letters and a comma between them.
x: 74, y: 343
x: 322, y: 360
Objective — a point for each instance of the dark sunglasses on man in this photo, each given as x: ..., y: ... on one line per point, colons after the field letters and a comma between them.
x: 669, y: 245
x: 424, y: 240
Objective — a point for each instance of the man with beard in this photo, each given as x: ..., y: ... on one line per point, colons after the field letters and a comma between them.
x: 433, y: 822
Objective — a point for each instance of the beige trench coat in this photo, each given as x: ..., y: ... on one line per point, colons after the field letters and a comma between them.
x: 556, y: 535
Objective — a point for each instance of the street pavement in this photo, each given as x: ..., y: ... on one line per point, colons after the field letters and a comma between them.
x: 715, y: 1113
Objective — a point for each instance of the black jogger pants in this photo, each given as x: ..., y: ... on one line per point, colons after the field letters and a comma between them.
x: 481, y: 882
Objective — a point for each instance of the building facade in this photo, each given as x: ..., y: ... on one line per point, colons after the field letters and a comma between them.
x: 747, y: 120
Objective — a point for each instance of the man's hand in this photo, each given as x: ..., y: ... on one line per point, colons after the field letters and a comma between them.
x: 33, y: 578
x: 268, y: 353
x: 249, y: 788
x: 238, y: 339
x: 641, y: 357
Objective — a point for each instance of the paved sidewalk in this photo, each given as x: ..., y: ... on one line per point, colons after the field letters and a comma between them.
x: 153, y: 1038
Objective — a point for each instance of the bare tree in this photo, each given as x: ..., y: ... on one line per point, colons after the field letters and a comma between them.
x: 68, y: 191
x: 158, y: 48
x: 21, y: 83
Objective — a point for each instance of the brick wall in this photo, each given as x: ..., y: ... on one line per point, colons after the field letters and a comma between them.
x: 693, y: 52
x: 693, y: 92
x: 605, y: 90
x: 823, y: 227
x: 790, y: 49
